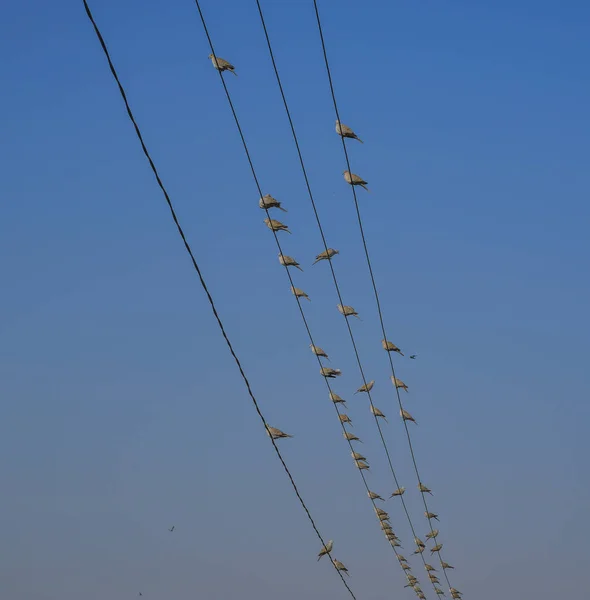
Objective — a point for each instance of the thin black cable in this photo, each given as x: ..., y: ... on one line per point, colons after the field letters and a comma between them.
x: 204, y: 285
x: 318, y: 221
x: 257, y: 183
x: 376, y: 293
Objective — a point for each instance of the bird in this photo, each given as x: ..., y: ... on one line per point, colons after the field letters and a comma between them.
x: 405, y: 567
x: 276, y: 434
x: 399, y: 492
x: 433, y: 578
x: 380, y: 511
x: 267, y: 201
x: 406, y: 416
x: 289, y: 261
x: 436, y: 548
x: 419, y: 542
x: 318, y: 351
x: 419, y: 550
x: 326, y: 549
x: 344, y: 418
x: 351, y: 437
x: 390, y: 347
x: 357, y: 456
x: 326, y: 255
x: 430, y: 515
x: 424, y: 489
x: 432, y: 534
x: 336, y: 399
x: 299, y: 293
x: 340, y: 566
x: 445, y: 565
x: 276, y: 225
x: 222, y: 65
x: 355, y: 180
x: 374, y: 496
x: 429, y: 567
x: 330, y: 373
x: 378, y: 413
x: 413, y: 356
x: 346, y: 132
x: 401, y: 558
x: 347, y: 311
x: 367, y: 387
x: 398, y: 383
x: 395, y: 543
x: 438, y: 591
x: 455, y: 592
x: 172, y: 529
x: 361, y: 465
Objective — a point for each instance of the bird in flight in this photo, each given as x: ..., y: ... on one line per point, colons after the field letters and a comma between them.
x: 172, y: 529
x: 413, y: 356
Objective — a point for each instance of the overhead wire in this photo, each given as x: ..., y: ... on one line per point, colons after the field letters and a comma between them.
x: 206, y: 289
x: 374, y: 285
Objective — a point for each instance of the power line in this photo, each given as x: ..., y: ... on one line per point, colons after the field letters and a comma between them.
x: 335, y: 280
x: 205, y: 288
x: 376, y: 293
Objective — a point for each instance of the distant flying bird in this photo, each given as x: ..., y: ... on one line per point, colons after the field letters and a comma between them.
x: 347, y: 311
x: 390, y: 347
x: 378, y: 413
x: 353, y: 179
x: 340, y: 566
x: 326, y: 255
x: 276, y: 225
x: 336, y: 399
x: 445, y: 565
x: 299, y: 293
x: 406, y: 416
x: 374, y: 496
x: 268, y: 201
x: 367, y: 387
x: 432, y: 534
x: 399, y: 492
x: 171, y: 529
x: 277, y: 434
x: 413, y: 356
x: 330, y: 373
x: 222, y: 65
x: 436, y: 548
x: 344, y: 418
x: 289, y: 261
x: 318, y: 351
x: 430, y: 515
x: 398, y: 383
x: 351, y: 437
x: 326, y: 549
x: 424, y: 489
x: 346, y: 132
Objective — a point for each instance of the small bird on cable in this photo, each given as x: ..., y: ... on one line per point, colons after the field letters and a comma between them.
x: 398, y: 383
x: 336, y: 399
x: 330, y: 373
x: 276, y: 434
x: 276, y: 225
x: 445, y: 565
x: 438, y: 591
x: 390, y: 347
x: 222, y: 65
x: 345, y: 418
x: 436, y: 548
x: 374, y: 496
x: 378, y: 413
x: 351, y: 437
x: 267, y: 201
x: 367, y: 387
x: 289, y: 261
x: 429, y: 567
x: 326, y: 255
x: 353, y: 179
x: 432, y: 534
x: 326, y: 549
x: 406, y: 416
x: 340, y: 566
x: 298, y: 293
x: 433, y: 578
x: 361, y: 465
x: 346, y: 132
x: 405, y: 567
x: 424, y: 489
x: 357, y: 456
x: 318, y: 351
x: 401, y: 558
x: 399, y: 492
x: 430, y: 515
x: 347, y: 311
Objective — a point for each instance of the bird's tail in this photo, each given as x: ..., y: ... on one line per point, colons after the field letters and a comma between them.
x: 299, y: 268
x: 232, y: 71
x: 283, y: 209
x: 365, y: 187
x: 359, y: 139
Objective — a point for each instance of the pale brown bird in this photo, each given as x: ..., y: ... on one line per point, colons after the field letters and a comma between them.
x: 276, y: 434
x: 222, y: 65
x: 351, y: 437
x: 380, y: 511
x: 289, y: 261
x: 329, y: 373
x: 456, y: 592
x: 344, y: 418
x: 399, y: 492
x: 406, y: 416
x: 436, y: 548
x: 357, y: 456
x: 318, y: 351
x: 401, y: 558
x: 267, y: 201
x: 347, y: 311
x: 405, y: 567
x: 326, y: 255
x: 419, y: 542
x: 432, y: 534
x: 424, y: 489
x: 276, y: 225
x: 445, y: 565
x: 346, y: 132
x: 362, y: 466
x: 326, y: 549
x: 378, y: 413
x: 353, y: 179
x: 336, y: 399
x: 419, y: 550
x: 390, y: 347
x: 430, y: 515
x: 367, y: 387
x: 421, y: 595
x: 398, y: 383
x: 383, y: 517
x: 374, y: 496
x: 386, y: 527
x: 438, y: 591
x: 395, y: 543
x: 340, y: 566
x: 429, y: 567
x: 299, y: 293
x: 433, y: 578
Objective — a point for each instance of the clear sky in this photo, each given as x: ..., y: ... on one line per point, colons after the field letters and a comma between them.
x: 122, y: 412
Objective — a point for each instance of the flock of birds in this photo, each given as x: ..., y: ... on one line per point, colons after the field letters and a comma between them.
x: 267, y: 202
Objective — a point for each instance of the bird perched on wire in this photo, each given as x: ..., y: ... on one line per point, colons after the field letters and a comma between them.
x: 438, y: 591
x: 361, y: 465
x: 374, y: 496
x: 429, y: 567
x: 326, y: 549
x: 432, y: 534
x: 299, y: 293
x: 445, y: 565
x: 288, y: 261
x: 353, y: 179
x: 406, y: 416
x: 390, y: 347
x: 346, y: 132
x: 424, y: 489
x: 430, y: 515
x: 344, y: 418
x: 367, y: 387
x: 399, y: 492
x: 275, y: 225
x: 276, y: 434
x: 330, y: 373
x: 351, y: 437
x: 340, y: 566
x: 405, y: 567
x: 222, y: 65
x: 398, y: 383
x: 436, y: 548
x: 336, y: 399
x: 326, y: 255
x: 318, y: 351
x: 347, y: 311
x: 433, y: 578
x: 267, y: 201
x: 357, y: 456
x: 376, y: 412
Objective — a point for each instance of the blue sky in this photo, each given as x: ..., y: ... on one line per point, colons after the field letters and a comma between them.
x: 122, y: 412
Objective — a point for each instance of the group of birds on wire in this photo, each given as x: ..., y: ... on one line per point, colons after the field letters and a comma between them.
x: 268, y: 202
